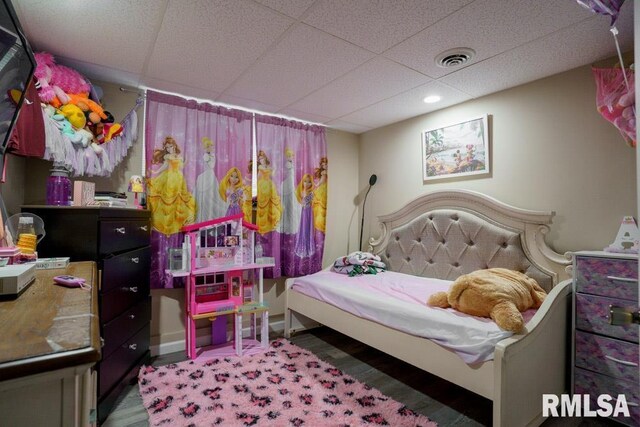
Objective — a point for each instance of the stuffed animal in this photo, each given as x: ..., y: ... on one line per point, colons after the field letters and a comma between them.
x: 57, y: 81
x: 75, y: 115
x: 498, y: 293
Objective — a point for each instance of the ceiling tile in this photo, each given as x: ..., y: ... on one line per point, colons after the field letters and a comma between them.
x: 406, y: 105
x: 100, y: 72
x: 180, y: 89
x: 247, y: 103
x: 476, y: 26
x: 378, y: 25
x: 348, y: 127
x: 536, y: 60
x: 117, y: 33
x: 371, y: 82
x: 302, y: 115
x: 292, y: 8
x: 209, y: 44
x: 304, y: 60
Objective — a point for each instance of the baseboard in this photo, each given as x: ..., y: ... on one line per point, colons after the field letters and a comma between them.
x: 203, y: 338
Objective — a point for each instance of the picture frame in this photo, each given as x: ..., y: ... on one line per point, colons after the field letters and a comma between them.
x: 457, y: 150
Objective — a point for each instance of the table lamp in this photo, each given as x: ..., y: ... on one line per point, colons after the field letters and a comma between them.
x: 136, y: 185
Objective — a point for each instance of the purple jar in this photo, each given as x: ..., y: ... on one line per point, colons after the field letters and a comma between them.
x: 59, y: 187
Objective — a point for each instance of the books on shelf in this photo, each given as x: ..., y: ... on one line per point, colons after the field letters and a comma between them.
x: 110, y: 203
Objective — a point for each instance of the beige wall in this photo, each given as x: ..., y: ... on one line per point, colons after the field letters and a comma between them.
x: 551, y: 151
x: 12, y: 190
x: 342, y: 151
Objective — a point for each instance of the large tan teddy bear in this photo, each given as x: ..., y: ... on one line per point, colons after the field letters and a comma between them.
x: 498, y: 293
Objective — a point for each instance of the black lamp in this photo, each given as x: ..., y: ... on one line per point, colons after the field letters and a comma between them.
x: 372, y: 180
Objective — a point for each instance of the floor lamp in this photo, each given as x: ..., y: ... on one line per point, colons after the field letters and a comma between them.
x: 372, y: 181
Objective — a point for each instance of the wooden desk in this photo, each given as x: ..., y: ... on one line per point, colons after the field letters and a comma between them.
x: 49, y: 340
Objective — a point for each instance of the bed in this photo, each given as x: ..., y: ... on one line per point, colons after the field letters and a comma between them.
x: 443, y: 235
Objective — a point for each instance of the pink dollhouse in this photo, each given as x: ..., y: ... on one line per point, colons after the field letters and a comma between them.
x: 218, y: 258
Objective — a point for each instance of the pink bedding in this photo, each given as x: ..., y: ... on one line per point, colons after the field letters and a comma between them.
x: 399, y: 300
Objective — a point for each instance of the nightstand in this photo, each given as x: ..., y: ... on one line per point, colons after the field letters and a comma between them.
x: 605, y: 357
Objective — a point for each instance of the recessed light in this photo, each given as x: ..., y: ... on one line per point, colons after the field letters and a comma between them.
x: 432, y: 98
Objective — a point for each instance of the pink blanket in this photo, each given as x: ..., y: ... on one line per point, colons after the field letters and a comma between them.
x: 399, y: 300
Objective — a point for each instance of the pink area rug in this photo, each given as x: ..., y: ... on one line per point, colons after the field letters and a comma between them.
x: 285, y: 386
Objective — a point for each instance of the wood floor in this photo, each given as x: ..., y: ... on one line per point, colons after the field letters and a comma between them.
x: 441, y: 401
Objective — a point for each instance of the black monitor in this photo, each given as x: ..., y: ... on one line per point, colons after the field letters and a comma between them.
x: 17, y: 65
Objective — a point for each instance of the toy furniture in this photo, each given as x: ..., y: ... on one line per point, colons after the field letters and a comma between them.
x: 221, y: 274
x: 443, y: 235
x: 605, y: 357
x: 117, y: 239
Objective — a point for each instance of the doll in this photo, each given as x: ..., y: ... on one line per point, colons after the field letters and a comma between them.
x: 210, y: 205
x: 305, y: 240
x: 171, y: 204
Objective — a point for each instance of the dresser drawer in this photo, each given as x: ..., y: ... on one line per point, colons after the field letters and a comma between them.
x: 615, y: 358
x: 119, y: 299
x: 120, y: 235
x: 593, y: 384
x: 617, y: 278
x: 113, y: 367
x: 120, y: 329
x: 592, y: 314
x: 127, y: 269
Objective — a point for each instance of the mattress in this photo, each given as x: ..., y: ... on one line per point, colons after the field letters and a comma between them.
x: 399, y: 300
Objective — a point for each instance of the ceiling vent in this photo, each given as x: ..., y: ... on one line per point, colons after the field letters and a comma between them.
x: 453, y: 58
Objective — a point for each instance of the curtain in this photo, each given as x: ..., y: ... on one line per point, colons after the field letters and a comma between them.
x: 291, y: 204
x: 196, y: 157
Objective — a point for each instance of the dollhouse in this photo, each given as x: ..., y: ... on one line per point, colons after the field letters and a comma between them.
x: 218, y: 260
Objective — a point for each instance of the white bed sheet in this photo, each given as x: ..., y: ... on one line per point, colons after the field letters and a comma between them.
x: 398, y: 301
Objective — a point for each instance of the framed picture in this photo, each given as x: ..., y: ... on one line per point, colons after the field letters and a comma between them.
x: 457, y: 150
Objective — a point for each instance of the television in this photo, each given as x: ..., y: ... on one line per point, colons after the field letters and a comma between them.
x: 17, y: 65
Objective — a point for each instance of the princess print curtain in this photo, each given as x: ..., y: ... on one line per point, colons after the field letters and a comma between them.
x: 196, y: 158
x: 292, y: 194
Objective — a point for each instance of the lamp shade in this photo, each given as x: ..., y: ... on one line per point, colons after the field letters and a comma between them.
x: 136, y: 184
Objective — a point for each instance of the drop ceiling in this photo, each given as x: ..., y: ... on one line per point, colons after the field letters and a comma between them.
x: 353, y: 65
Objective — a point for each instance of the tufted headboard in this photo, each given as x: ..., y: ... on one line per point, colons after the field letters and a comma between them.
x: 445, y: 234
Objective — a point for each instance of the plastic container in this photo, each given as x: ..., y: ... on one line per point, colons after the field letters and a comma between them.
x: 25, y: 225
x: 27, y: 238
x: 59, y: 187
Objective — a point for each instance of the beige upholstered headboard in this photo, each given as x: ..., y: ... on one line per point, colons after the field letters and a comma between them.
x: 446, y: 234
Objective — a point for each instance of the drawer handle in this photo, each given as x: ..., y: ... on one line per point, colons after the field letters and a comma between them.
x: 133, y: 346
x: 132, y: 316
x: 622, y: 279
x: 135, y: 260
x: 622, y: 362
x: 121, y: 230
x: 144, y: 228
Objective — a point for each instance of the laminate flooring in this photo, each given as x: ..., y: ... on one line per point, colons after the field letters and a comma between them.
x: 441, y: 401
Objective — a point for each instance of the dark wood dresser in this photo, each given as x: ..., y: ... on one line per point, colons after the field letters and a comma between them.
x: 117, y: 239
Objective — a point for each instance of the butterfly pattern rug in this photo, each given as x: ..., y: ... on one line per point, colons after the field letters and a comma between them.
x: 284, y: 386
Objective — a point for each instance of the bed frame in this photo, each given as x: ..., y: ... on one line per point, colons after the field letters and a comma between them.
x: 445, y: 234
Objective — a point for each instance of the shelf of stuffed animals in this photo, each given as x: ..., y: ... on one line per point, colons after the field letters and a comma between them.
x: 79, y: 133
